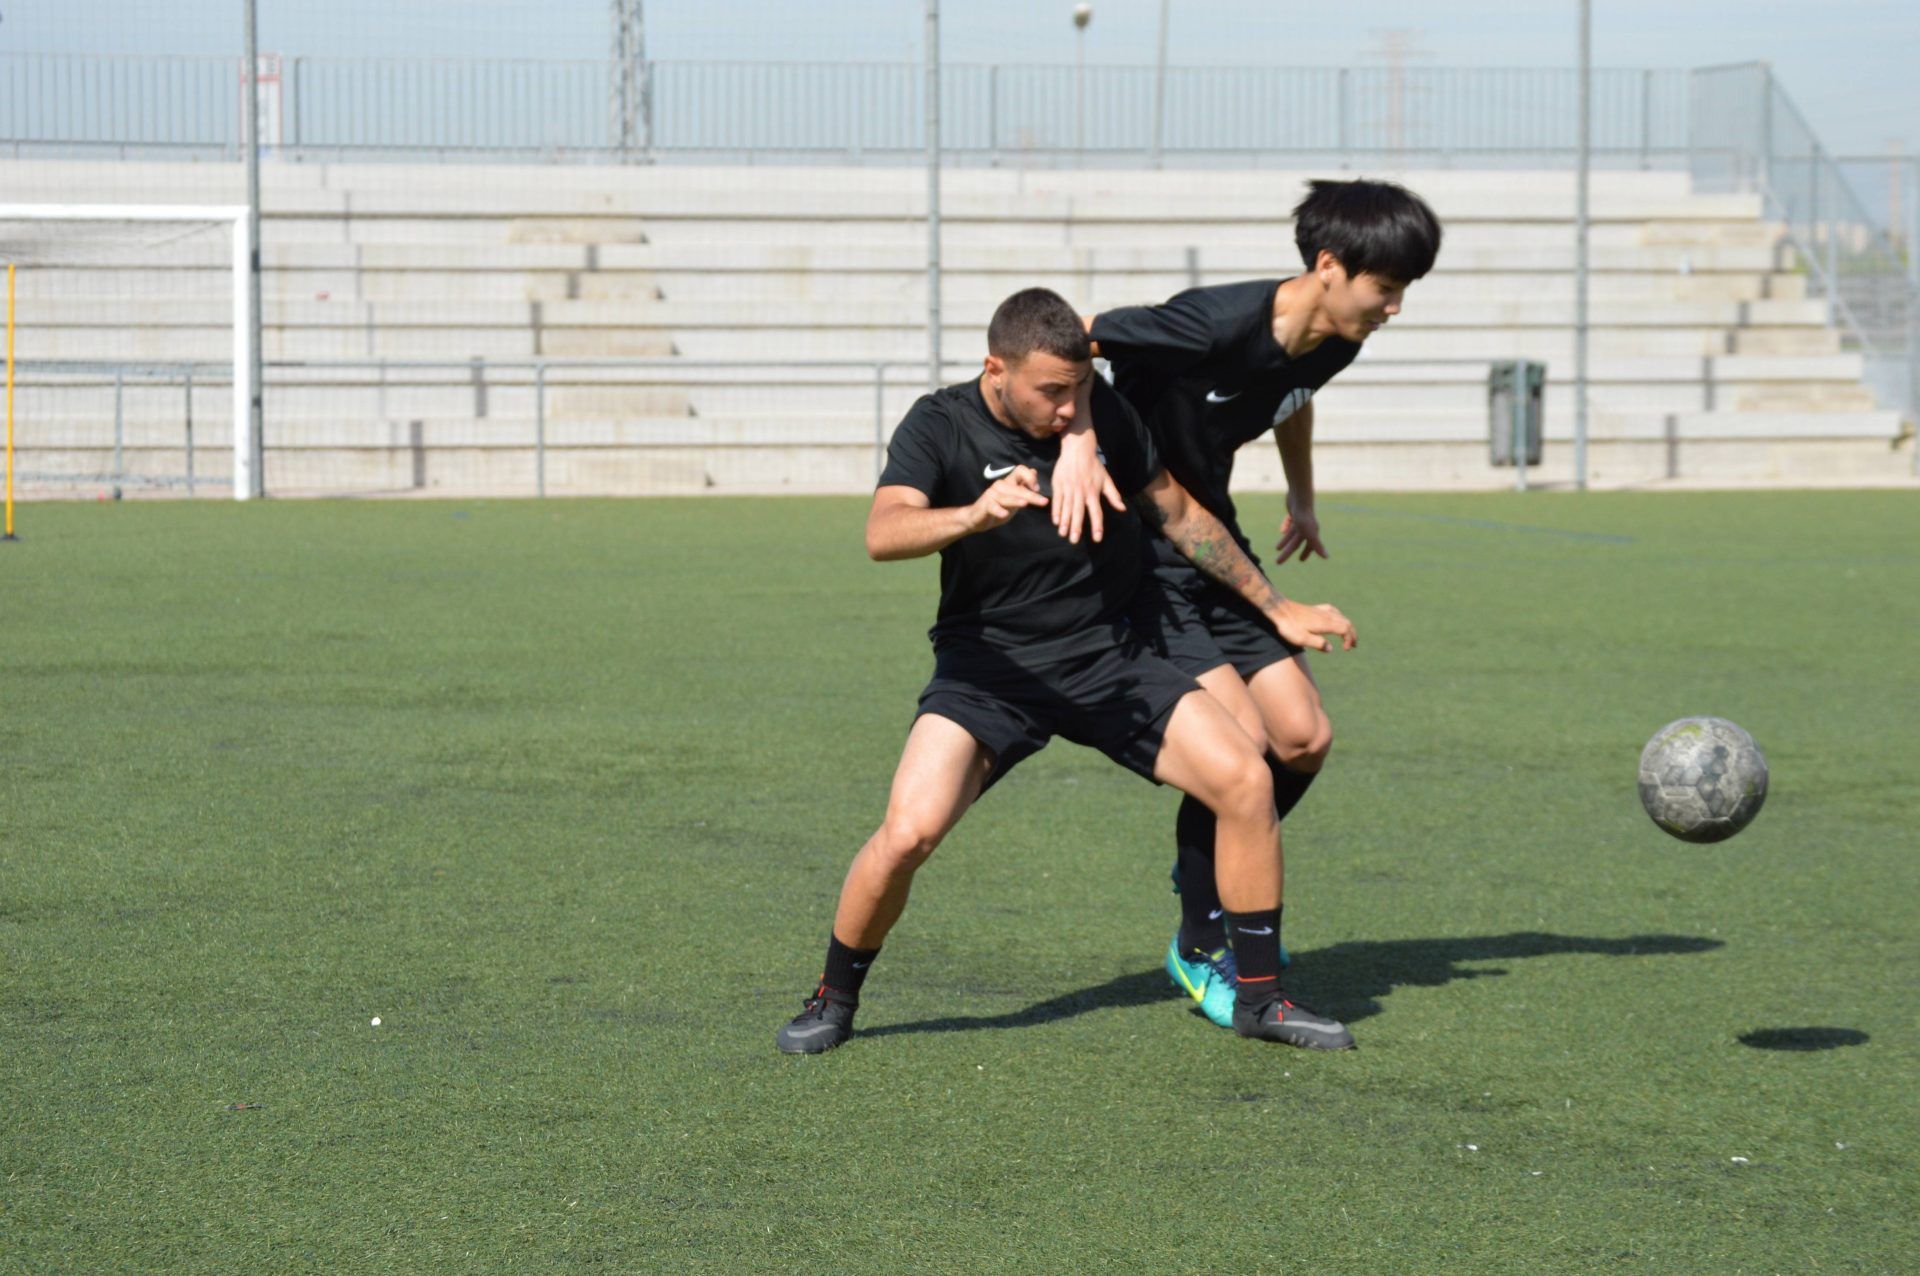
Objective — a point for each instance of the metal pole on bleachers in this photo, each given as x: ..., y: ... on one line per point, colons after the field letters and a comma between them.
x: 933, y: 195
x: 1580, y: 251
x: 254, y: 481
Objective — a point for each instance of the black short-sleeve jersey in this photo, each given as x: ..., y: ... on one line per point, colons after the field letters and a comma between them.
x: 1021, y: 588
x: 1204, y: 370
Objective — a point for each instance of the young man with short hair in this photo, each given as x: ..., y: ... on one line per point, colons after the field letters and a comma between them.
x: 1211, y: 369
x: 1032, y: 641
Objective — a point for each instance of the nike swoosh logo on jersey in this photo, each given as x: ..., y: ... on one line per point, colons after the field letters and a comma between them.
x: 1264, y: 930
x: 1214, y: 396
x: 1000, y: 473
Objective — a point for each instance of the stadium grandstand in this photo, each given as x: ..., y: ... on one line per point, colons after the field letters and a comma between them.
x: 737, y: 301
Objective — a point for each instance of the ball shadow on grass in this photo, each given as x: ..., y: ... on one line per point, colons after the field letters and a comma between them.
x: 1803, y: 1038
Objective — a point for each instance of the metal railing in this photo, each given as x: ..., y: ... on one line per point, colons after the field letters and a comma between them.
x: 503, y: 434
x: 484, y: 378
x: 366, y: 108
x: 160, y: 449
x: 1861, y: 267
x: 189, y: 379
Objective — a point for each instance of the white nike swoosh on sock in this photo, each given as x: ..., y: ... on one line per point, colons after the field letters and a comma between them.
x: 1264, y: 930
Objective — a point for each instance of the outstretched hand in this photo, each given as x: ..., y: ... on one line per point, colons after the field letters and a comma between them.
x: 1299, y: 534
x: 1004, y: 499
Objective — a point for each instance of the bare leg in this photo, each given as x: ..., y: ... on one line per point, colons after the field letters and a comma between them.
x: 1296, y: 725
x: 942, y: 770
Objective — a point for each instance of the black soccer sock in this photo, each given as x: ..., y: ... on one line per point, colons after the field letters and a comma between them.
x: 1289, y: 785
x: 1202, y: 927
x: 846, y: 967
x: 1256, y: 955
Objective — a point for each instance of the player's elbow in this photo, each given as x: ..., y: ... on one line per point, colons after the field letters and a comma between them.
x: 877, y: 539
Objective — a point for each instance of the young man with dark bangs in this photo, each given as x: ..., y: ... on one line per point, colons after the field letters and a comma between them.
x: 1032, y: 641
x: 1211, y: 369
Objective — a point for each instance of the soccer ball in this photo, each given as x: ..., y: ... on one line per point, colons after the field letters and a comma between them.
x: 1702, y: 779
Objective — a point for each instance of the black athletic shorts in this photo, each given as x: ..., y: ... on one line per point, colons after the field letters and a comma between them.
x: 1116, y: 700
x: 1197, y: 624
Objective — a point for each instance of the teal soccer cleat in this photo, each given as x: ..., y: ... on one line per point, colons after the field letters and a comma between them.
x: 1205, y: 977
x: 1208, y: 978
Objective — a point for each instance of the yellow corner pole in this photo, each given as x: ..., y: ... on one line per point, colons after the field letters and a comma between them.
x: 9, y: 534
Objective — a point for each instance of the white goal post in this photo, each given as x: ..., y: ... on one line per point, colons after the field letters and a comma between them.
x: 234, y: 217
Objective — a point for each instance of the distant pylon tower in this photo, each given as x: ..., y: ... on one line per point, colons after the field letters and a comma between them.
x: 1397, y: 46
x: 629, y: 91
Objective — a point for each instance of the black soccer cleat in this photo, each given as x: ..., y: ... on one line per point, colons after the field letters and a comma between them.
x: 1283, y: 1021
x: 826, y: 1022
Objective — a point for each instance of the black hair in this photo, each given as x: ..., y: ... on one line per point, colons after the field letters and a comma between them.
x: 1376, y: 228
x: 1037, y: 319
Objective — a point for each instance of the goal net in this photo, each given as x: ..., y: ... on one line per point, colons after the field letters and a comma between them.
x: 129, y: 332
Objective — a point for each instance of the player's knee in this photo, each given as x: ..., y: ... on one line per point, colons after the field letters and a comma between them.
x: 1303, y: 743
x: 1245, y: 789
x: 1320, y: 743
x: 904, y: 843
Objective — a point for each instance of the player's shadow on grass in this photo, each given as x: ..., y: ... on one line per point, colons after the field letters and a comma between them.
x: 1345, y: 980
x: 1348, y: 980
x: 1141, y: 989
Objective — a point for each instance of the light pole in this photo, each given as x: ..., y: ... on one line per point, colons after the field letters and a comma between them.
x: 1082, y: 15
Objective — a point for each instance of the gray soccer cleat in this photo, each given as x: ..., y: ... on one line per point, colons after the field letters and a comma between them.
x: 826, y: 1022
x: 1283, y: 1021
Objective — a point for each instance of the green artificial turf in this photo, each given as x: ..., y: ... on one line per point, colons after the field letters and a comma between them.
x: 563, y: 792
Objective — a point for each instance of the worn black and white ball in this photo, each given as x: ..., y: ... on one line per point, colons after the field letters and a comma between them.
x: 1702, y: 779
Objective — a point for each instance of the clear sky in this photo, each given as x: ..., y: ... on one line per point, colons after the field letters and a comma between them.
x: 1849, y: 64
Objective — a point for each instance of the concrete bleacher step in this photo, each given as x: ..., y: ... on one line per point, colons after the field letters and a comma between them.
x: 1550, y: 345
x: 876, y: 194
x: 1255, y: 255
x: 1009, y: 227
x: 1101, y: 289
x: 47, y: 293
x: 677, y: 314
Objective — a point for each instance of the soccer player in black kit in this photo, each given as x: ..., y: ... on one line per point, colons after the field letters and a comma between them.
x: 1211, y: 369
x: 1032, y: 640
